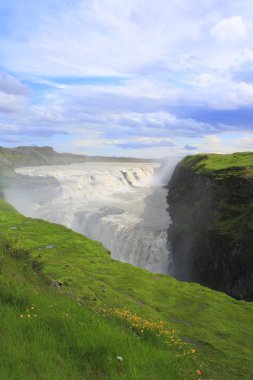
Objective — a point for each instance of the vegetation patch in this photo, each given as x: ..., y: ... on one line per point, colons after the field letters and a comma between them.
x: 221, y: 165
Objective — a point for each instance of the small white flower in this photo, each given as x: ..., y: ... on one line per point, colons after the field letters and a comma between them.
x: 119, y: 358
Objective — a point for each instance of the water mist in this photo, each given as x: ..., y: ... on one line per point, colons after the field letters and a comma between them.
x: 122, y: 205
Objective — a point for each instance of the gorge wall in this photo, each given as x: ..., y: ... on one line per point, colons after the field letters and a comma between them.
x: 211, y: 206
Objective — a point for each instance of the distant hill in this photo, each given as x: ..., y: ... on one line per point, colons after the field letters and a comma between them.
x: 31, y: 156
x: 36, y: 156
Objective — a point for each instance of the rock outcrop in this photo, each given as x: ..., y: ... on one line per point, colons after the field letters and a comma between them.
x: 212, y: 230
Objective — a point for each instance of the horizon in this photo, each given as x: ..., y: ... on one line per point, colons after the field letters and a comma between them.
x: 162, y: 158
x: 140, y: 80
x: 86, y: 155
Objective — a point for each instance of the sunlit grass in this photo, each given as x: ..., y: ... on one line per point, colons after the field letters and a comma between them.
x: 240, y: 163
x: 158, y: 331
x: 45, y: 335
x: 161, y: 328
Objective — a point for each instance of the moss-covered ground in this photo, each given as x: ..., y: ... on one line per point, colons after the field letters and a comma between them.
x: 232, y: 181
x: 221, y: 165
x: 162, y: 328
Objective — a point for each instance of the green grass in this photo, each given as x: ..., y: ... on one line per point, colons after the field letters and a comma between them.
x: 84, y: 343
x: 240, y: 163
x: 15, y: 160
x: 45, y: 335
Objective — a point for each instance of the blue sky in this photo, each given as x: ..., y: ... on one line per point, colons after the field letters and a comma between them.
x: 135, y: 78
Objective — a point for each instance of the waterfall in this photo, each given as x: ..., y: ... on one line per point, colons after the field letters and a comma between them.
x: 118, y: 204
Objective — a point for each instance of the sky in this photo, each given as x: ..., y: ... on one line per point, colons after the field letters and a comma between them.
x: 135, y: 78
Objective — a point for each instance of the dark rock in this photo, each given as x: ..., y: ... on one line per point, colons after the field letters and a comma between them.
x: 212, y: 231
x: 56, y: 284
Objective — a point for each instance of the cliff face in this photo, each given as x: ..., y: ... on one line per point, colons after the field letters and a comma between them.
x: 211, y: 206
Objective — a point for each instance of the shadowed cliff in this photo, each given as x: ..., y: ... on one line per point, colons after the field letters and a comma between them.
x: 211, y: 205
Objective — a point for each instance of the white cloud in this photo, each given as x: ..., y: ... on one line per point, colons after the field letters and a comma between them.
x: 104, y: 37
x: 229, y: 29
x: 11, y: 85
x: 112, y: 37
x: 140, y: 142
x: 164, y: 54
x: 245, y: 142
x: 10, y: 103
x: 217, y: 91
x: 231, y: 95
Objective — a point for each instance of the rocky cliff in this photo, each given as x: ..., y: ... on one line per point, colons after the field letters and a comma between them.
x: 211, y: 205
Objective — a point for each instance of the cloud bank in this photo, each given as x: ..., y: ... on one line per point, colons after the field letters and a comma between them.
x: 136, y: 78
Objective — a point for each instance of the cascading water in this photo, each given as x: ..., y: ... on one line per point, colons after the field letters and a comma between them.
x: 114, y: 203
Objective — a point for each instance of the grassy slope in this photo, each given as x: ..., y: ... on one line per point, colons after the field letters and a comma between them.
x: 84, y: 344
x: 32, y: 156
x: 45, y: 335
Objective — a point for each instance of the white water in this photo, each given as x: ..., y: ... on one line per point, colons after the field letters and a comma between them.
x: 113, y: 203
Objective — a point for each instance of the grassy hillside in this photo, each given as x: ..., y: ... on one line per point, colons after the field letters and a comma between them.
x: 45, y: 335
x: 162, y: 328
x: 30, y: 156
